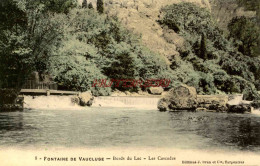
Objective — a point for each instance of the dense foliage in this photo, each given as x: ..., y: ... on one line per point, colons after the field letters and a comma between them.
x: 77, y: 45
x: 246, y: 35
x: 98, y: 47
x: 27, y: 37
x: 215, y: 65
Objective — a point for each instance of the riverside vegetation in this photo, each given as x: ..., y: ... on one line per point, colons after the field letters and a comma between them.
x: 77, y: 44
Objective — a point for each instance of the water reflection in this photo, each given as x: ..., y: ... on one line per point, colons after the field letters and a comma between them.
x: 100, y: 127
x: 235, y: 131
x: 11, y: 121
x: 247, y: 134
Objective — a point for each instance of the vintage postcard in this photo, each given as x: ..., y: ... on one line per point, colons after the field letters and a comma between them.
x: 130, y: 82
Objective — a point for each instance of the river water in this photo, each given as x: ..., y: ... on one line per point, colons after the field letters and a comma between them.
x: 130, y: 127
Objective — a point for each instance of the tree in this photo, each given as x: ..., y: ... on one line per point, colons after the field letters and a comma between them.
x: 27, y: 38
x: 187, y: 17
x: 90, y: 6
x: 100, y: 6
x: 57, y: 6
x: 84, y: 4
x: 246, y: 34
x: 203, y: 47
x: 13, y: 49
x: 252, y: 5
x: 122, y: 68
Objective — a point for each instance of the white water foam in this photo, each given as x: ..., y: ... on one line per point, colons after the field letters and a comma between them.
x: 65, y: 102
x: 127, y: 102
x: 237, y: 99
x: 255, y: 111
x: 50, y: 103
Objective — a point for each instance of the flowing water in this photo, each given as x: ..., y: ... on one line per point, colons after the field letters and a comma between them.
x: 126, y: 127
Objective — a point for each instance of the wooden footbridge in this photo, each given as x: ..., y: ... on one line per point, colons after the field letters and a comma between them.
x: 46, y: 92
x: 38, y: 88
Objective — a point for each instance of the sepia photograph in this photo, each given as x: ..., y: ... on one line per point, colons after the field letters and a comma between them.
x: 130, y: 82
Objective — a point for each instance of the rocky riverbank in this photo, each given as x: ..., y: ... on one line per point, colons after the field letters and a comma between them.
x: 186, y: 98
x: 177, y: 99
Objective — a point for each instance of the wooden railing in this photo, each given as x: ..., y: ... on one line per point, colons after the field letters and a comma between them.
x: 30, y: 84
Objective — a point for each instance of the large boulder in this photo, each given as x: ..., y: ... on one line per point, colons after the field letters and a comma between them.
x: 86, y: 98
x: 163, y: 104
x: 155, y: 90
x: 182, y: 97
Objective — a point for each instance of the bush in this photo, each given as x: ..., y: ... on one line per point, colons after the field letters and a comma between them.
x: 73, y: 71
x: 186, y: 17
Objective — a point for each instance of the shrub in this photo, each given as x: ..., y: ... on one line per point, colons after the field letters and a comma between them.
x: 73, y: 71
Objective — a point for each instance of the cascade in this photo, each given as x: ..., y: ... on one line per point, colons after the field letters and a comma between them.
x: 126, y: 101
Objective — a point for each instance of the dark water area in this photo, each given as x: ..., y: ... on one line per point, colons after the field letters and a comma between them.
x: 117, y: 127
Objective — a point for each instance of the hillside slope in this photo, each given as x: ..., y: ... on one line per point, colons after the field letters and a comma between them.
x: 224, y: 11
x: 141, y: 16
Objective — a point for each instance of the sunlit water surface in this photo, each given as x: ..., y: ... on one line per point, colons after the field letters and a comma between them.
x: 126, y: 127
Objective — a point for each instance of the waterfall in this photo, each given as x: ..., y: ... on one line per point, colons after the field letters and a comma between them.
x: 65, y: 102
x: 124, y: 101
x: 50, y: 103
x: 255, y: 111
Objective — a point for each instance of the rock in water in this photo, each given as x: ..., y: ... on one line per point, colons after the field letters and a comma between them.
x: 75, y: 100
x: 86, y: 98
x: 241, y: 108
x: 256, y: 104
x: 236, y: 104
x: 155, y: 90
x: 182, y: 97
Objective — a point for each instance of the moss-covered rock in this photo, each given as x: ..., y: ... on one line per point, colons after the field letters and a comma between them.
x: 86, y: 98
x: 241, y: 108
x: 182, y: 97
